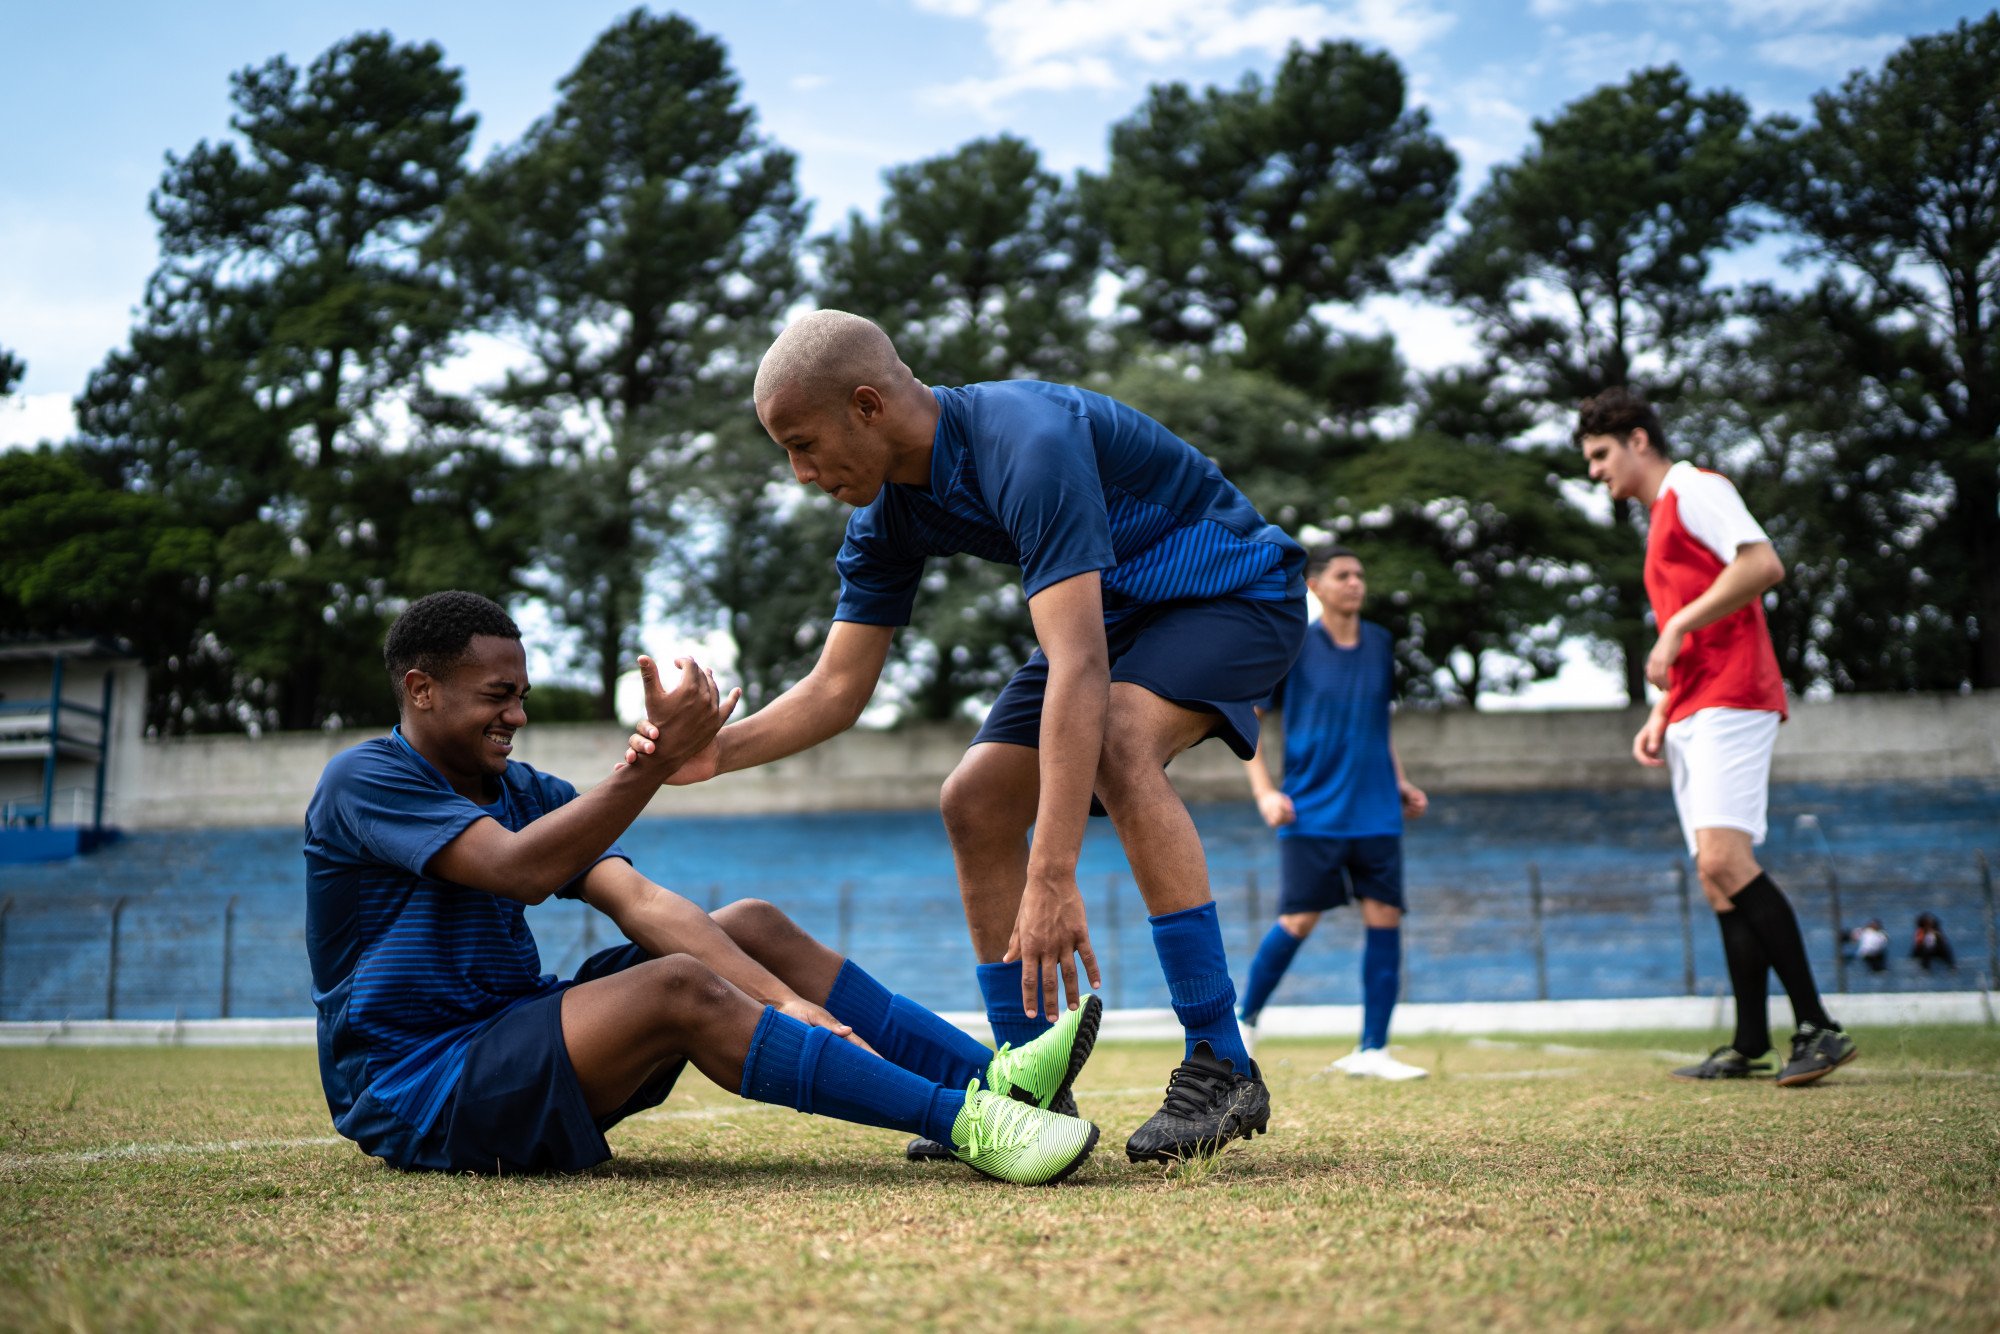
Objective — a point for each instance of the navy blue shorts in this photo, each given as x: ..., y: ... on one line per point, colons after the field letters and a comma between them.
x: 1220, y: 655
x: 1324, y: 873
x: 517, y: 1107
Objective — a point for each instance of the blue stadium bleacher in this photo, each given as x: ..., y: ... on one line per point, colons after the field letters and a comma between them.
x: 880, y: 885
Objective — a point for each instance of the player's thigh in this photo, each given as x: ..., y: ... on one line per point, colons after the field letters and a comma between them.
x: 1143, y: 730
x: 1375, y: 873
x: 1214, y: 660
x: 619, y: 1029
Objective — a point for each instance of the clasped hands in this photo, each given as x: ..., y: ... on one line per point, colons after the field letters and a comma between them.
x: 678, y: 732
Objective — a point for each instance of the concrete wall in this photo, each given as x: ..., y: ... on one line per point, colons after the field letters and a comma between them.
x: 207, y: 781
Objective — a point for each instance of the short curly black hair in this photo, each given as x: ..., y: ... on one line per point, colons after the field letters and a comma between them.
x: 1620, y: 410
x: 433, y: 633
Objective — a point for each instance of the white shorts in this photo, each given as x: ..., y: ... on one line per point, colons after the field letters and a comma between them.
x: 1720, y: 760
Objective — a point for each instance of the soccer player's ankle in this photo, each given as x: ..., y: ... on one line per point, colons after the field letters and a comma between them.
x: 941, y: 1118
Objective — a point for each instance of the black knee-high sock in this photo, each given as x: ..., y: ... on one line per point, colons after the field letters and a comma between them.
x: 1749, y: 978
x: 1770, y: 912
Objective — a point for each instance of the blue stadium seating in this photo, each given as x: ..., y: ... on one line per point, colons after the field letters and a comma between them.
x: 880, y: 885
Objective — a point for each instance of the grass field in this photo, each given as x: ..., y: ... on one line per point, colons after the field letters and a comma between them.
x: 1526, y: 1184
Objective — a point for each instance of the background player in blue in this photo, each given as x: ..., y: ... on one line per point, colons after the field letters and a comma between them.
x: 444, y: 1046
x: 1340, y: 815
x: 1165, y: 606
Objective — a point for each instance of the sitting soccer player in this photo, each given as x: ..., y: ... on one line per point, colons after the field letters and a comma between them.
x: 443, y: 1045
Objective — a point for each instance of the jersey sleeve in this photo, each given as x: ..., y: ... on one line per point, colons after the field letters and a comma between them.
x: 1037, y: 465
x: 376, y: 809
x: 552, y: 792
x: 880, y: 567
x: 1714, y: 514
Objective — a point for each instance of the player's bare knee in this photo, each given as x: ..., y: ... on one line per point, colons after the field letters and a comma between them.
x: 1126, y: 767
x: 1298, y: 925
x: 755, y: 924
x: 685, y: 985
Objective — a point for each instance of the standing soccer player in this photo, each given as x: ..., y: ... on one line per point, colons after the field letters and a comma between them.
x: 1340, y: 814
x: 1165, y: 607
x: 1708, y: 564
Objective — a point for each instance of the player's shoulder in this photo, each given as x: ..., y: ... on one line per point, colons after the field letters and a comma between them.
x: 993, y: 404
x: 1690, y: 479
x: 545, y: 788
x: 364, y: 760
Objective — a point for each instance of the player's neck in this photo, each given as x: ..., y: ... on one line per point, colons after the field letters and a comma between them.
x: 477, y: 786
x: 1343, y: 627
x: 1650, y: 481
x: 910, y: 462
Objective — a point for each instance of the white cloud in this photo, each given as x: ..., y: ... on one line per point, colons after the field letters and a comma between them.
x: 1827, y: 53
x: 1041, y: 76
x: 805, y: 83
x: 1592, y: 58
x: 1786, y: 15
x: 1059, y: 45
x: 29, y: 419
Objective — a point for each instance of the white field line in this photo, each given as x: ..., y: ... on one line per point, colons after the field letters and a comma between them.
x: 1550, y: 1072
x: 12, y: 1161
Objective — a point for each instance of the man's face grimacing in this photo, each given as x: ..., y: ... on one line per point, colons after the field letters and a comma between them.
x: 470, y: 714
x: 1617, y: 461
x: 1342, y: 586
x: 840, y: 449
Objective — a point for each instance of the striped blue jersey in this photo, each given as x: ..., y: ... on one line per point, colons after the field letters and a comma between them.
x: 1339, y: 771
x: 1061, y: 481
x: 408, y: 968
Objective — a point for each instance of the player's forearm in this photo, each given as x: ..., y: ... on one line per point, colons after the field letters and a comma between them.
x: 1261, y: 783
x: 807, y: 714
x: 1755, y: 571
x: 661, y: 922
x: 534, y: 862
x: 1072, y: 739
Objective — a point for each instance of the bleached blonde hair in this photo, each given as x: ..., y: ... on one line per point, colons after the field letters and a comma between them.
x: 826, y: 355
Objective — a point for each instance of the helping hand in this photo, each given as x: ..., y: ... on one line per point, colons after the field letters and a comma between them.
x: 1660, y: 661
x: 680, y: 723
x: 1646, y: 745
x: 1049, y: 932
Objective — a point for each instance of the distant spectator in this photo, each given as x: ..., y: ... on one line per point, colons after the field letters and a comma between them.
x: 1871, y: 945
x: 1929, y: 945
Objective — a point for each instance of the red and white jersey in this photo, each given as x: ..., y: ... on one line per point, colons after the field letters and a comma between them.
x: 1697, y: 523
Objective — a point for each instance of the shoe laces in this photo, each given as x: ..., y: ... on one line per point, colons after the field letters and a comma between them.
x: 996, y: 1122
x: 1191, y: 1089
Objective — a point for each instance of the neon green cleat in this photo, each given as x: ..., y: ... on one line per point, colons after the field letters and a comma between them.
x: 1043, y: 1070
x: 1012, y: 1141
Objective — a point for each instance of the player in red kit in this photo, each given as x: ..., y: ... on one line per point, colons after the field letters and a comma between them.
x: 1708, y: 565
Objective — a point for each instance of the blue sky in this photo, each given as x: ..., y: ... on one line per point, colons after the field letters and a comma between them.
x: 94, y: 95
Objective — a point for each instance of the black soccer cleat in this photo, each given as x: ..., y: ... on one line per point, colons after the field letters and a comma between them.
x: 921, y: 1150
x: 1816, y: 1053
x: 1722, y: 1063
x: 1208, y: 1104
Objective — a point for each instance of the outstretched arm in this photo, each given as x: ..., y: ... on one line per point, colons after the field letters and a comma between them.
x: 1050, y: 930
x: 823, y: 705
x: 533, y: 863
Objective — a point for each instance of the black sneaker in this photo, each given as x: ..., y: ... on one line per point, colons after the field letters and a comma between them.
x: 1722, y: 1063
x: 1208, y: 1104
x: 1816, y: 1053
x: 921, y: 1150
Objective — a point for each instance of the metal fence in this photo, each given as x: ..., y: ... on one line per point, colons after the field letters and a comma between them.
x: 1534, y: 933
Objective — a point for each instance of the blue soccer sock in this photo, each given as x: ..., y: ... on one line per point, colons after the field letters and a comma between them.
x: 904, y: 1032
x: 1381, y: 974
x: 1189, y: 944
x: 808, y: 1068
x: 1274, y: 956
x: 1000, y: 984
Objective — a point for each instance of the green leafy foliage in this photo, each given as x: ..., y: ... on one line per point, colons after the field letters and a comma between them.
x: 1233, y: 213
x: 638, y: 241
x: 1896, y: 179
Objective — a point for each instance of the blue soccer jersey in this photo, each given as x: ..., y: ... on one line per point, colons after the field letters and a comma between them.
x: 1061, y: 481
x: 408, y: 968
x: 1338, y: 770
